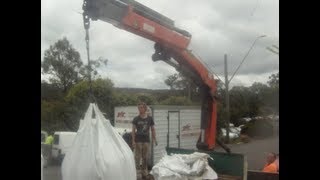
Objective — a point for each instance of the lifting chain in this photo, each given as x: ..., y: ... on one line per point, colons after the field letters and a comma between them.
x: 86, y: 23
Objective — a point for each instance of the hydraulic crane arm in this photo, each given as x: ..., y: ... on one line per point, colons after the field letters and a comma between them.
x: 138, y: 19
x: 170, y: 43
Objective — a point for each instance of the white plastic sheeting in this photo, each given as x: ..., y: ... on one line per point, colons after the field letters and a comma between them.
x: 233, y: 133
x: 184, y: 167
x: 98, y: 152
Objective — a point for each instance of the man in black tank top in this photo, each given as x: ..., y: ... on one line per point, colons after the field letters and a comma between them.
x: 141, y: 126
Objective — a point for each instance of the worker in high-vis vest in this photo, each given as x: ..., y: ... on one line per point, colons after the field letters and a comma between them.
x: 271, y: 166
x: 47, y: 149
x: 49, y: 140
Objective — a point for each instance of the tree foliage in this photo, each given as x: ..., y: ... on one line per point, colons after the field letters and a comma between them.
x: 63, y: 63
x: 52, y: 114
x: 274, y: 80
x: 186, y: 84
x: 65, y: 67
x: 78, y: 99
x: 66, y: 98
x: 147, y: 98
x: 171, y: 81
x: 91, y: 70
x: 176, y: 100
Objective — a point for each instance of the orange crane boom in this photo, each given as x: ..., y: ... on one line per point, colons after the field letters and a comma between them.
x: 171, y: 45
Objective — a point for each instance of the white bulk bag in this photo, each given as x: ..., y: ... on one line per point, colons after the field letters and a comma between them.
x: 98, y: 152
x: 184, y: 167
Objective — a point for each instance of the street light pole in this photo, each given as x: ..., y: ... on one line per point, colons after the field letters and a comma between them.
x: 227, y: 96
x: 246, y: 55
x: 228, y: 81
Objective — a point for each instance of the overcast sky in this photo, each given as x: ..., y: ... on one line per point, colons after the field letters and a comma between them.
x: 217, y: 27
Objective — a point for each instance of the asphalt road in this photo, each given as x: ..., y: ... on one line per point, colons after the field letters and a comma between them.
x: 255, y: 151
x: 52, y: 173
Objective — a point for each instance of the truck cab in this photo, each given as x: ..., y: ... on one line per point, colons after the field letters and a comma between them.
x: 62, y: 142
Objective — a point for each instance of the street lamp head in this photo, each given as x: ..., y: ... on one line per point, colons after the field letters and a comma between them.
x: 246, y: 56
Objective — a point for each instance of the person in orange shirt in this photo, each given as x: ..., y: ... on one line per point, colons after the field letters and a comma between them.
x: 277, y: 162
x: 271, y: 166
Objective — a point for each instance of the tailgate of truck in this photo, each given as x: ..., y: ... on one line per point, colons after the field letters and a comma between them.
x: 228, y: 177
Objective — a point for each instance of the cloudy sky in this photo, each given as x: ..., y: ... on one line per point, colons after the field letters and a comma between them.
x: 218, y: 27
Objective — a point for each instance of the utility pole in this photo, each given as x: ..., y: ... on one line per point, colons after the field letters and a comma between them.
x: 227, y: 95
x: 227, y: 82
